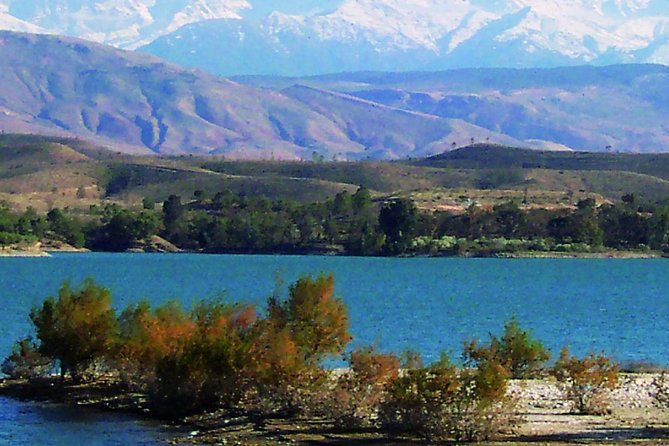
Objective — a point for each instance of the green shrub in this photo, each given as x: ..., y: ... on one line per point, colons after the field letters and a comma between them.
x: 25, y: 361
x: 441, y: 402
x: 10, y: 238
x: 587, y: 382
x: 77, y: 328
x: 517, y: 350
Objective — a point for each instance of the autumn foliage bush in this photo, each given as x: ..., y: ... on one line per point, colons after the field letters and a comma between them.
x: 587, y: 382
x: 359, y: 392
x: 216, y: 355
x: 209, y: 366
x: 225, y: 355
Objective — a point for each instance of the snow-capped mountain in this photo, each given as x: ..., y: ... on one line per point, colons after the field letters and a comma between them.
x: 123, y: 23
x: 428, y: 35
x: 221, y: 36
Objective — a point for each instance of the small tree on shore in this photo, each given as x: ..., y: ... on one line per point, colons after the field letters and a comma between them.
x: 25, y: 361
x: 517, y: 350
x: 587, y: 382
x: 316, y: 319
x: 76, y: 328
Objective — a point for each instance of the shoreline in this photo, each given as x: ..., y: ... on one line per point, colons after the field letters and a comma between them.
x: 547, y: 419
x: 608, y: 254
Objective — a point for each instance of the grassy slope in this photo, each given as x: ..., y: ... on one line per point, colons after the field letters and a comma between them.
x: 45, y: 172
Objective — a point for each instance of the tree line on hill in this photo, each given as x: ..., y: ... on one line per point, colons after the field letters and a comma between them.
x: 350, y: 223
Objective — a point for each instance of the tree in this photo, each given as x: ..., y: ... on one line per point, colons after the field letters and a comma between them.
x: 509, y: 219
x: 587, y: 381
x: 77, y: 328
x: 316, y: 320
x: 517, y: 350
x: 66, y: 227
x: 343, y: 204
x: 362, y: 199
x: 398, y: 220
x: 25, y: 361
x: 175, y: 219
x: 125, y: 228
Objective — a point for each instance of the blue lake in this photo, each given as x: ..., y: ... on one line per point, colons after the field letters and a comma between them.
x: 426, y: 304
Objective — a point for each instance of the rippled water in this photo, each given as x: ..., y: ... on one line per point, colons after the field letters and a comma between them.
x: 24, y: 423
x: 427, y: 304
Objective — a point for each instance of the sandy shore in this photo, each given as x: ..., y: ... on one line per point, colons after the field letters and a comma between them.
x: 547, y: 419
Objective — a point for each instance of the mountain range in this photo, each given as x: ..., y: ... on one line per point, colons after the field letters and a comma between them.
x: 137, y: 103
x: 234, y: 37
x: 613, y: 108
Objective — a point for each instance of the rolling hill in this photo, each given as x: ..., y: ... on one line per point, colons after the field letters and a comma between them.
x: 44, y: 172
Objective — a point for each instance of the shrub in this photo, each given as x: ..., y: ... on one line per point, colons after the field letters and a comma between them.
x: 300, y: 331
x: 441, y: 402
x: 10, y: 238
x: 146, y: 337
x: 210, y: 368
x: 517, y: 350
x: 500, y: 177
x: 358, y: 393
x: 25, y: 361
x: 77, y: 328
x: 587, y: 382
x: 660, y: 389
x: 283, y: 383
x: 316, y: 320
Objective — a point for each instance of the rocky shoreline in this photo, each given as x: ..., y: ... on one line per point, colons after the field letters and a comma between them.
x: 547, y: 418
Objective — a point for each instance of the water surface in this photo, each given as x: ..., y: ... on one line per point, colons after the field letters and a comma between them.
x: 426, y: 304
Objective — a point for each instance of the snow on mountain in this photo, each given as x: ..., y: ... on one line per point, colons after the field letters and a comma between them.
x: 123, y: 23
x: 220, y: 36
x: 578, y: 29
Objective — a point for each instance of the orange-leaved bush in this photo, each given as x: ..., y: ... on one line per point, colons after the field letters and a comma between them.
x: 587, y: 381
x: 288, y: 345
x: 316, y: 319
x: 211, y: 366
x: 146, y: 335
x: 357, y: 396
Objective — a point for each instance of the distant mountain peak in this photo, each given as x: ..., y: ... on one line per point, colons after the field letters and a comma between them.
x: 226, y: 37
x: 123, y: 23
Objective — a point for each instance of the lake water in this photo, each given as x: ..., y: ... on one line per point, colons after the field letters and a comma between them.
x: 426, y: 304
